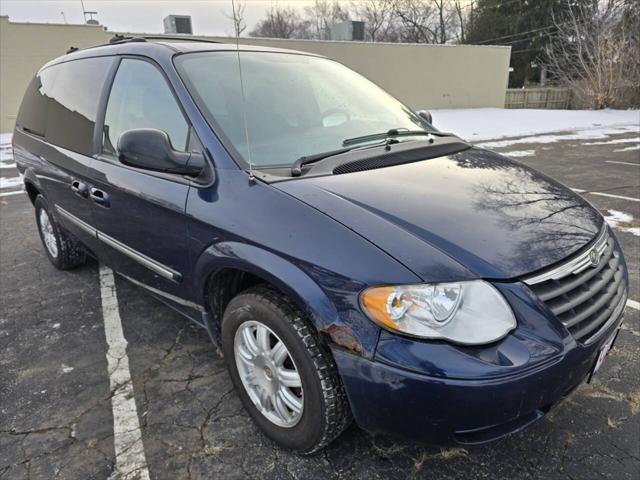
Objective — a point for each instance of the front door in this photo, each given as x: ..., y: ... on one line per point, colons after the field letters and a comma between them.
x: 140, y: 214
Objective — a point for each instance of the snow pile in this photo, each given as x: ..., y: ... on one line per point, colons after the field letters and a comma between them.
x: 8, y: 185
x: 623, y: 222
x: 6, y: 155
x: 491, y: 123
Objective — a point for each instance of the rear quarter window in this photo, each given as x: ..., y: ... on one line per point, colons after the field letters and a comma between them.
x: 33, y: 110
x: 61, y: 103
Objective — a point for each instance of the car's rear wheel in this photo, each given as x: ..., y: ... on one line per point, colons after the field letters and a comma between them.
x: 285, y: 376
x: 62, y: 249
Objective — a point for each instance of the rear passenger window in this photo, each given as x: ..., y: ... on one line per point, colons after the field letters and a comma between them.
x: 141, y: 98
x: 61, y: 103
x: 33, y: 110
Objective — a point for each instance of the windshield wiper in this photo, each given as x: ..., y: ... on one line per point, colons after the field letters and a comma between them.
x: 389, y: 136
x: 394, y: 132
x: 296, y: 168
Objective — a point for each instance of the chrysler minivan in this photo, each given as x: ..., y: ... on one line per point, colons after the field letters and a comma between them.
x: 352, y: 261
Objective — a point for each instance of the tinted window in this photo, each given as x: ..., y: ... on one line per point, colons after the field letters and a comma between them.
x: 33, y: 110
x: 141, y: 98
x: 72, y: 91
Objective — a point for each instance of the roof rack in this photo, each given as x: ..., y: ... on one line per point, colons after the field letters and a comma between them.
x: 118, y: 39
x: 178, y: 37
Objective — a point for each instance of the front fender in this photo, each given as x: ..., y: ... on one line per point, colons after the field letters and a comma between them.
x: 293, y: 281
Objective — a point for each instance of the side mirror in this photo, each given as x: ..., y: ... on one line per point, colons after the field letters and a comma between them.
x: 425, y: 115
x: 151, y: 149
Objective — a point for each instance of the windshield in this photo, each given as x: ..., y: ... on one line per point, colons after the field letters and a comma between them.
x: 295, y: 105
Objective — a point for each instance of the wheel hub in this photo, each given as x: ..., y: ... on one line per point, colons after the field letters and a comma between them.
x: 268, y: 374
x: 48, y: 236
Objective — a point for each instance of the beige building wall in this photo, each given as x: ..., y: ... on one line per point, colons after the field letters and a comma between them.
x: 422, y: 76
x: 25, y: 47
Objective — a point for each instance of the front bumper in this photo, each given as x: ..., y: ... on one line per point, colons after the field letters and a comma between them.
x: 428, y: 408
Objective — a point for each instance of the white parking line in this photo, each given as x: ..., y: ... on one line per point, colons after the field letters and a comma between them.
x: 127, y: 437
x: 633, y: 304
x: 610, y: 195
x: 623, y: 163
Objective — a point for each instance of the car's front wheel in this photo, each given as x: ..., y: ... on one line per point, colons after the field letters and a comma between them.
x: 63, y: 251
x: 285, y: 376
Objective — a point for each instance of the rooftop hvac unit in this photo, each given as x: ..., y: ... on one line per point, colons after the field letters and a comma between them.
x: 178, y: 24
x: 348, y: 31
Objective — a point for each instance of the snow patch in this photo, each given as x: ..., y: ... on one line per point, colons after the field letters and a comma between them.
x: 10, y: 182
x: 520, y: 153
x: 595, y: 133
x: 617, y: 140
x: 493, y: 123
x: 66, y: 368
x: 628, y: 149
x: 622, y: 222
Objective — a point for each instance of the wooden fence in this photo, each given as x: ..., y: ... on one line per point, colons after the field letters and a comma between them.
x: 559, y: 98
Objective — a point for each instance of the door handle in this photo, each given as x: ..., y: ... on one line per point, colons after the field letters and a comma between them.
x: 99, y: 197
x: 80, y: 188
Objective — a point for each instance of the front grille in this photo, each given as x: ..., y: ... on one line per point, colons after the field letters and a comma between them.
x: 584, y: 297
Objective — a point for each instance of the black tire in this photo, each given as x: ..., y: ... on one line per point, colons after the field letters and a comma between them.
x: 326, y: 412
x: 68, y: 252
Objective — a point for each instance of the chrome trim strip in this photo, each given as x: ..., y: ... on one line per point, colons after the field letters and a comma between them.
x: 575, y: 265
x: 615, y: 316
x: 166, y: 295
x: 76, y: 221
x: 151, y: 264
x: 140, y: 258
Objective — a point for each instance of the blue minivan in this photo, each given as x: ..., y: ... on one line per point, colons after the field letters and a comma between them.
x: 352, y: 261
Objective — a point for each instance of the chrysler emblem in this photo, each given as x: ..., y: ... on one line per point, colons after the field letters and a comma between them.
x: 594, y: 257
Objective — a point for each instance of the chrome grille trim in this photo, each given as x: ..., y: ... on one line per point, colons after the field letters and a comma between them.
x: 575, y: 265
x: 585, y: 301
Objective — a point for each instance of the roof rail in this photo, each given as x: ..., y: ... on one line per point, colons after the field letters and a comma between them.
x: 178, y: 37
x: 117, y: 38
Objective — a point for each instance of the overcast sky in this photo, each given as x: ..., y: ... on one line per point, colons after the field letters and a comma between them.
x: 144, y: 16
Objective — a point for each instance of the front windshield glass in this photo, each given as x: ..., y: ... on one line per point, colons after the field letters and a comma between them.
x: 295, y: 105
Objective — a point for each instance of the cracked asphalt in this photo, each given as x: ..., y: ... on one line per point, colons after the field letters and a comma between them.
x: 55, y: 407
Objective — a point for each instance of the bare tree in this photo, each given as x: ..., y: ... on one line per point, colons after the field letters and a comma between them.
x: 429, y: 21
x: 324, y: 14
x: 462, y: 19
x: 595, y: 52
x: 379, y: 19
x: 237, y: 16
x: 279, y: 23
x: 417, y: 19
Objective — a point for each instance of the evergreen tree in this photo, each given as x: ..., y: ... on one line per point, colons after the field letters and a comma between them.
x: 525, y: 25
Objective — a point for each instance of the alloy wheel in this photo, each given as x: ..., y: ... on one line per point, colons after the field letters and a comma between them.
x: 48, y: 235
x: 268, y: 374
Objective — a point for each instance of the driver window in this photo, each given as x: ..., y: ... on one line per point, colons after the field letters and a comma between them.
x: 141, y: 98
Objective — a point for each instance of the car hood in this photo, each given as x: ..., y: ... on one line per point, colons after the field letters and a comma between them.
x: 497, y: 218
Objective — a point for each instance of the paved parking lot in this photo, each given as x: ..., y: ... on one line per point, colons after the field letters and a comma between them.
x: 56, y: 418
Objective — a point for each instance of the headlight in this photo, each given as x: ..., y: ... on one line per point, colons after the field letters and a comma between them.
x: 470, y: 313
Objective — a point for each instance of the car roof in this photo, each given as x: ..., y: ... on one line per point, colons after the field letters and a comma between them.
x: 162, y: 48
